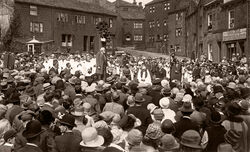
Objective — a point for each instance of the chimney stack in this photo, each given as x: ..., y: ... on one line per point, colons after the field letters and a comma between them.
x: 134, y: 2
x: 140, y: 4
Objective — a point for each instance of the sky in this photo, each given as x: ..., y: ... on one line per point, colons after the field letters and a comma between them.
x: 143, y: 1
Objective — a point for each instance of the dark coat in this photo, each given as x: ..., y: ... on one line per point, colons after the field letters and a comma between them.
x: 100, y: 63
x: 183, y: 125
x: 215, y: 136
x: 160, y: 73
x: 143, y: 114
x: 47, y: 140
x: 176, y: 72
x: 68, y: 142
x: 28, y: 148
x: 156, y: 95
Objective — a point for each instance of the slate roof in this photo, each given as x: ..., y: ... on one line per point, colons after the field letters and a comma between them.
x: 71, y: 4
x: 155, y: 1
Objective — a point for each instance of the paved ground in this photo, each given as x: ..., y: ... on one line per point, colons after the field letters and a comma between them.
x: 143, y: 53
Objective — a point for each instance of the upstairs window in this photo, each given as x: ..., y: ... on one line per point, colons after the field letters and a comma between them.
x: 151, y: 24
x: 178, y: 32
x: 110, y: 23
x: 158, y: 23
x: 96, y: 20
x: 167, y: 6
x: 80, y: 19
x: 178, y: 16
x: 165, y: 22
x: 231, y: 19
x: 36, y: 27
x: 152, y: 9
x: 33, y: 10
x: 210, y: 21
x: 62, y: 17
x: 138, y: 37
x: 137, y: 25
x: 165, y: 37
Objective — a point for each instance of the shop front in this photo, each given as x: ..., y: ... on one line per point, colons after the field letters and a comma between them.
x: 234, y: 43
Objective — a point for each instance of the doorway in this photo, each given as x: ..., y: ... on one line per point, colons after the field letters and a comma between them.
x: 92, y: 46
x: 85, y: 42
x: 231, y: 47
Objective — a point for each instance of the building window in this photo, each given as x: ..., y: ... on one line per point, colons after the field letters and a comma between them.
x: 110, y: 23
x: 80, y: 19
x: 151, y: 24
x: 158, y: 23
x: 151, y: 38
x: 178, y: 32
x: 210, y: 21
x: 167, y: 6
x: 165, y: 37
x: 66, y: 40
x: 36, y: 27
x: 231, y: 19
x: 165, y: 22
x: 152, y: 9
x: 177, y: 48
x: 33, y: 10
x: 138, y: 37
x: 62, y: 17
x: 179, y: 16
x: 96, y: 20
x: 137, y: 25
x: 209, y: 51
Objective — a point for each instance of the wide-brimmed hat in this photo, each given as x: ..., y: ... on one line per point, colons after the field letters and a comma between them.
x: 33, y: 129
x: 90, y: 89
x: 164, y: 102
x: 123, y: 80
x: 168, y: 143
x: 215, y: 117
x: 187, y: 98
x: 30, y: 91
x: 46, y: 86
x: 192, y: 139
x: 186, y: 107
x: 232, y: 85
x: 151, y: 107
x: 68, y: 120
x: 139, y: 98
x: 90, y: 138
x: 154, y: 131
x: 217, y: 89
x: 9, y: 134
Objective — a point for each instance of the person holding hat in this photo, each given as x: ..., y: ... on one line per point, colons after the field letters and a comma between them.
x: 185, y: 123
x: 69, y: 140
x: 32, y: 134
x: 140, y: 112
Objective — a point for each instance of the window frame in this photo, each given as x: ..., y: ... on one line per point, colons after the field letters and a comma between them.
x: 33, y: 10
x: 231, y: 24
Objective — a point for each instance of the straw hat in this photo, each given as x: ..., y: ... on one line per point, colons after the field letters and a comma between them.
x: 164, y: 102
x: 192, y: 139
x: 90, y: 138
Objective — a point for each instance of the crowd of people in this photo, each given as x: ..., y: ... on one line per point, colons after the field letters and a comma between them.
x: 122, y: 103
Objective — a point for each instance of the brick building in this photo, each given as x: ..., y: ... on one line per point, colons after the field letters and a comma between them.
x: 64, y: 25
x: 182, y: 27
x: 156, y: 24
x: 130, y: 24
x: 6, y: 13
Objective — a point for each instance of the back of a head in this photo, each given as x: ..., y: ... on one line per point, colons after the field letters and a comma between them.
x: 167, y: 126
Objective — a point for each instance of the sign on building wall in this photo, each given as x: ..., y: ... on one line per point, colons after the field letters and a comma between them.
x: 235, y: 34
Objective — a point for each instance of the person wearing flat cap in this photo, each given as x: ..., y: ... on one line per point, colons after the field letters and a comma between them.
x: 32, y: 134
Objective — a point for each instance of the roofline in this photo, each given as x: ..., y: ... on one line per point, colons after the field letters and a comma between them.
x: 151, y: 3
x: 115, y: 15
x: 178, y: 10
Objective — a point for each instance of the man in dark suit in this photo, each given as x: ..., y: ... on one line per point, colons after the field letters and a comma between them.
x: 140, y: 112
x: 101, y: 63
x: 185, y: 122
x: 69, y: 140
x: 32, y: 134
